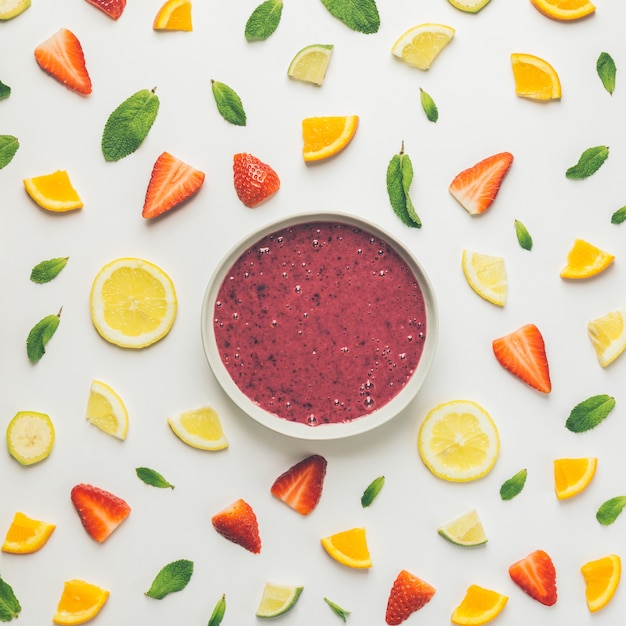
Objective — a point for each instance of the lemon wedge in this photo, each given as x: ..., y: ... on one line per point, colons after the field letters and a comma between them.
x: 420, y: 45
x: 106, y: 410
x: 199, y: 428
x: 608, y: 335
x: 486, y: 275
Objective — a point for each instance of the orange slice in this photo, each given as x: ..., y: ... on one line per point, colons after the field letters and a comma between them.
x: 326, y: 136
x: 534, y: 77
x: 479, y: 606
x: 601, y: 580
x: 53, y: 192
x: 80, y: 602
x: 584, y: 260
x: 564, y: 10
x: 26, y: 535
x: 174, y: 15
x: 571, y: 476
x: 349, y: 548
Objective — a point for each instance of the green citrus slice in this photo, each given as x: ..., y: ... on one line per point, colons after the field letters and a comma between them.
x: 30, y: 437
x: 469, y: 6
x: 465, y: 530
x: 12, y: 8
x: 310, y: 63
x: 277, y: 599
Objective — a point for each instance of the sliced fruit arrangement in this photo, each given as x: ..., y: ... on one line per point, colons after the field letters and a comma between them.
x: 407, y: 595
x: 30, y: 437
x: 106, y: 410
x: 535, y: 574
x: 324, y: 137
x: 349, y: 547
x: 486, y: 275
x: 277, y: 599
x: 174, y: 15
x: 80, y: 602
x: 564, y: 11
x: 571, y: 476
x: 534, y: 77
x: 238, y: 523
x: 112, y: 8
x: 254, y: 180
x: 310, y: 64
x: 602, y: 577
x: 199, y: 428
x: 420, y: 45
x: 300, y: 487
x: 26, y: 535
x: 608, y: 335
x: 478, y: 606
x: 465, y: 530
x: 53, y: 192
x: 585, y: 260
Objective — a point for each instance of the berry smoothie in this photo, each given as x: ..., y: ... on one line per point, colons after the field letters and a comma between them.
x: 320, y: 322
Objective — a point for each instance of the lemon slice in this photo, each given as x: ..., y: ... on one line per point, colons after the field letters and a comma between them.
x: 571, y: 476
x: 106, y: 410
x: 465, y: 530
x: 534, y: 77
x: 277, y: 599
x: 311, y: 63
x: 199, y: 428
x: 26, y: 535
x: 601, y: 578
x: 486, y: 275
x: 53, y: 192
x: 80, y: 602
x: 458, y: 441
x: 608, y: 335
x: 585, y: 260
x: 133, y: 303
x: 420, y: 45
x: 349, y: 547
x: 478, y: 606
x: 469, y: 6
x: 30, y: 437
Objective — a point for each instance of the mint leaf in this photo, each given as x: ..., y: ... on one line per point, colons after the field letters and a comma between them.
x: 523, y: 236
x: 5, y: 90
x: 39, y: 336
x: 173, y: 577
x: 371, y: 491
x: 264, y: 20
x: 619, y: 216
x: 606, y: 69
x: 9, y: 605
x: 514, y: 485
x: 45, y: 271
x: 152, y: 478
x: 429, y: 106
x: 8, y: 148
x: 337, y: 610
x: 609, y: 511
x: 218, y: 612
x: 228, y: 103
x: 359, y: 15
x: 399, y: 178
x: 589, y: 413
x: 589, y: 162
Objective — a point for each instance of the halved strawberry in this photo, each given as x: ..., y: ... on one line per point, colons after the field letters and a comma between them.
x: 408, y: 594
x: 255, y: 181
x: 476, y: 187
x: 100, y: 512
x: 300, y: 487
x: 113, y: 8
x: 523, y: 353
x: 61, y: 55
x: 536, y: 575
x: 172, y: 181
x: 238, y: 523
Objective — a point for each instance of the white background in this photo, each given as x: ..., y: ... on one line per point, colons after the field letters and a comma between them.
x: 472, y: 84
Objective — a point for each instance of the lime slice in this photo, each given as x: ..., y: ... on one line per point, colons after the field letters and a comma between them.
x: 199, y: 428
x: 310, y: 63
x: 469, y: 6
x: 12, y: 8
x: 277, y: 599
x: 465, y: 530
x: 30, y: 437
x: 106, y: 410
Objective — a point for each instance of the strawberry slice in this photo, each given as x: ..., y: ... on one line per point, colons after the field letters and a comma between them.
x: 255, y: 181
x: 61, y: 55
x: 100, y: 512
x: 113, y: 8
x: 408, y: 594
x: 536, y: 575
x: 523, y: 353
x: 476, y: 187
x: 172, y: 182
x: 300, y: 487
x: 238, y: 523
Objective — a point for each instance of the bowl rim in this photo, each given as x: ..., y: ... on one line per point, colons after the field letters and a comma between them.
x: 321, y: 431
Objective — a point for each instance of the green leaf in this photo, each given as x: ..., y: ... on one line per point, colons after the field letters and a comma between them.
x: 523, y: 236
x: 39, y: 336
x: 129, y: 124
x: 514, y: 485
x: 218, y: 612
x: 264, y: 20
x: 609, y: 511
x: 606, y: 71
x: 429, y: 106
x: 8, y: 148
x: 5, y: 91
x: 45, y: 271
x: 372, y: 490
x: 589, y: 162
x: 619, y: 216
x: 399, y: 178
x: 153, y: 478
x: 337, y: 610
x: 173, y: 577
x: 361, y: 16
x: 228, y: 103
x: 9, y: 605
x: 589, y: 413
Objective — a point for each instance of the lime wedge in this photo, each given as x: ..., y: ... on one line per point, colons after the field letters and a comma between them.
x: 465, y: 530
x: 277, y: 599
x: 469, y: 6
x: 30, y: 437
x: 310, y: 63
x: 12, y: 8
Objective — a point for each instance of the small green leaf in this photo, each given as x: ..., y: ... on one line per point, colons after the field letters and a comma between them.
x: 523, y: 236
x: 514, y: 485
x: 609, y: 511
x: 589, y: 162
x: 360, y: 16
x: 39, y: 336
x: 45, y: 271
x: 589, y: 413
x: 606, y: 71
x: 5, y: 91
x: 173, y: 577
x: 218, y: 612
x: 228, y: 103
x: 429, y: 106
x: 399, y: 178
x: 153, y: 478
x: 371, y: 491
x: 337, y: 610
x: 8, y: 148
x: 129, y: 124
x: 619, y: 216
x: 9, y: 605
x: 264, y: 20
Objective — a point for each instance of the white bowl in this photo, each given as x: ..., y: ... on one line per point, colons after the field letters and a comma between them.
x: 337, y: 430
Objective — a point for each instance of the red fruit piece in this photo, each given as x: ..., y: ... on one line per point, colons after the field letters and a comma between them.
x: 301, y: 485
x: 238, y: 524
x: 523, y: 353
x: 113, y: 8
x: 61, y: 55
x: 476, y: 187
x: 172, y: 182
x: 536, y: 575
x: 408, y: 594
x: 255, y: 181
x: 100, y: 512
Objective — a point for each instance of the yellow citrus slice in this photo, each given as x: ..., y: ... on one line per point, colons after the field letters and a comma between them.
x: 26, y: 535
x: 602, y: 578
x: 571, y: 476
x: 324, y: 137
x: 277, y: 599
x: 53, y: 192
x: 479, y: 606
x: 564, y: 10
x: 106, y: 410
x: 133, y: 303
x: 486, y: 275
x: 349, y: 548
x: 174, y: 15
x: 30, y: 437
x: 458, y: 441
x: 80, y: 601
x: 534, y: 77
x: 465, y: 530
x: 608, y: 335
x: 584, y: 260
x: 420, y: 45
x: 199, y: 428
x: 469, y: 6
x: 311, y: 63
x: 12, y: 8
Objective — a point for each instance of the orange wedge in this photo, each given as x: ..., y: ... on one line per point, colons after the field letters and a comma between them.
x: 479, y: 606
x: 534, y: 77
x: 584, y: 260
x: 26, y: 535
x: 564, y: 10
x: 349, y: 548
x: 53, y: 192
x: 174, y: 15
x: 601, y: 580
x: 326, y: 136
x: 571, y: 476
x: 80, y: 602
